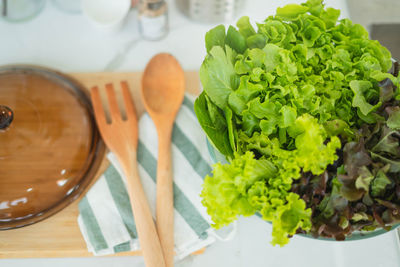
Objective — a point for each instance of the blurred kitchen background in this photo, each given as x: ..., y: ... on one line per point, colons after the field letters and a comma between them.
x: 51, y: 28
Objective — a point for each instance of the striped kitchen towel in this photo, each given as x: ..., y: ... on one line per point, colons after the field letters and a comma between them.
x: 105, y: 218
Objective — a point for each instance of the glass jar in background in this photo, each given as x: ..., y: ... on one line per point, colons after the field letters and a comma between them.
x: 211, y: 11
x: 153, y: 19
x: 21, y: 10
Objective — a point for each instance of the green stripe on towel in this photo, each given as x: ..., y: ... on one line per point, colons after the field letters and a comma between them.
x: 92, y: 227
x: 188, y: 103
x: 122, y: 247
x: 121, y: 199
x: 190, y: 152
x: 181, y: 203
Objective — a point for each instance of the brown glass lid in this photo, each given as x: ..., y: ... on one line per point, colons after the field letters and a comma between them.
x: 50, y: 148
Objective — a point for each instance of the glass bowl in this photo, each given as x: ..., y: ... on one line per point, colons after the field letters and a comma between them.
x: 50, y: 148
x: 21, y: 10
x: 216, y: 156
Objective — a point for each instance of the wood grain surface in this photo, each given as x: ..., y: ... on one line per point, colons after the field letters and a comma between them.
x: 59, y: 235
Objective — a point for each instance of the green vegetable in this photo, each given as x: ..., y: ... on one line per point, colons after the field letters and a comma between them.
x: 213, y: 122
x: 235, y: 40
x: 379, y: 184
x: 360, y: 89
x: 291, y: 11
x: 393, y: 121
x: 228, y: 196
x: 215, y: 37
x: 241, y: 188
x: 286, y: 102
x: 332, y: 203
x: 218, y: 75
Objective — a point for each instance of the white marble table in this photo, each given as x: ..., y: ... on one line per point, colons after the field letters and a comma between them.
x: 69, y: 43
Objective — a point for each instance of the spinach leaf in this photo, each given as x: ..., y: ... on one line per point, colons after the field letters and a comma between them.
x: 213, y: 122
x: 215, y: 37
x: 218, y: 76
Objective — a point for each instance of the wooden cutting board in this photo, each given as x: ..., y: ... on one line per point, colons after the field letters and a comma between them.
x: 59, y: 235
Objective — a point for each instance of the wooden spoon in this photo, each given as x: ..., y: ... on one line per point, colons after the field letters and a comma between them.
x: 163, y: 87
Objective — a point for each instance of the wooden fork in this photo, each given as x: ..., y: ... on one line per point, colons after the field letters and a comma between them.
x: 121, y: 137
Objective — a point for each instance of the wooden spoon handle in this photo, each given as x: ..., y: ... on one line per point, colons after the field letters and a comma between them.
x: 165, y: 196
x: 146, y: 229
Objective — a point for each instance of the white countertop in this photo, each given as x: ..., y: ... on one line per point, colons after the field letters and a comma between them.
x: 69, y: 43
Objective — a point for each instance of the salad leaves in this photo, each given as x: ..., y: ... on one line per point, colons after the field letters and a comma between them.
x: 213, y: 122
x: 218, y: 75
x: 286, y: 104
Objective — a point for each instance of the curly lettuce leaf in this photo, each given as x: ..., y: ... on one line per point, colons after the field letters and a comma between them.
x: 240, y: 189
x: 289, y: 218
x: 333, y: 202
x: 393, y: 121
x: 356, y: 158
x: 312, y: 154
x: 363, y: 94
x: 379, y: 184
x: 291, y: 11
x: 388, y: 143
x: 225, y: 194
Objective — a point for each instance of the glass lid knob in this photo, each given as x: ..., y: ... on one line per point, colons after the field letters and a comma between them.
x: 6, y: 117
